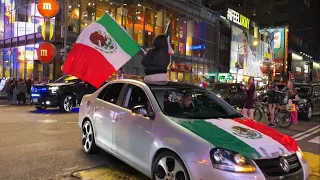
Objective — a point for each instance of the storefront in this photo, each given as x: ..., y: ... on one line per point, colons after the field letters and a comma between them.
x: 316, y: 72
x: 194, y: 33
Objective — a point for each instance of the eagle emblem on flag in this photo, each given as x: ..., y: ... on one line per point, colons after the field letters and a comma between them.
x: 246, y: 133
x: 103, y: 41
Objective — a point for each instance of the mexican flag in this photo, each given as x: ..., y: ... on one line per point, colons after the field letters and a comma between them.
x: 253, y: 140
x: 100, y: 50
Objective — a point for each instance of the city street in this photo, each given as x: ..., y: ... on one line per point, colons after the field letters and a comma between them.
x: 47, y: 145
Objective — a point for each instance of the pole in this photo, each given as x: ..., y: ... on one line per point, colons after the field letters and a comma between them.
x: 65, y: 30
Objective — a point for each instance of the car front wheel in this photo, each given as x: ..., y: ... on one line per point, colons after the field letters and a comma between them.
x: 88, y: 143
x: 169, y: 166
x: 66, y: 103
x: 309, y: 113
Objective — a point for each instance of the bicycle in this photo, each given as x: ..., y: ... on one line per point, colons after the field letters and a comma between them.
x: 282, y: 117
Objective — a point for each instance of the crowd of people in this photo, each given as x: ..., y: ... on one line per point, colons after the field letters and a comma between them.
x: 274, y: 95
x: 19, y: 90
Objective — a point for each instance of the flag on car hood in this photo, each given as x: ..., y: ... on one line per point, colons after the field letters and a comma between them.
x: 100, y: 50
x: 251, y: 139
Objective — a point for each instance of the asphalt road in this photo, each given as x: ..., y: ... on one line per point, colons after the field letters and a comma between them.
x: 47, y: 145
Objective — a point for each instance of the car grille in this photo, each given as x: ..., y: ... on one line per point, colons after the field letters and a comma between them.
x: 271, y: 167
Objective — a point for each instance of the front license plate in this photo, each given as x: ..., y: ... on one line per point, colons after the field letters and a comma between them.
x: 35, y: 100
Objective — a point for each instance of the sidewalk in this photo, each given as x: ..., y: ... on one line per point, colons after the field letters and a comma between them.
x: 4, y: 102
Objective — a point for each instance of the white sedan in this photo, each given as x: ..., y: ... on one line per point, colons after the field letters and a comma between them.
x: 181, y: 132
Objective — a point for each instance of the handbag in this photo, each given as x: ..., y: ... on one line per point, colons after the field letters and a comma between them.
x: 291, y: 107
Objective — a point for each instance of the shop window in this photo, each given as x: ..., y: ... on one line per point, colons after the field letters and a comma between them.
x: 182, y: 34
x: 175, y: 30
x: 2, y: 24
x: 88, y: 13
x: 2, y: 72
x: 74, y: 16
x: 159, y: 23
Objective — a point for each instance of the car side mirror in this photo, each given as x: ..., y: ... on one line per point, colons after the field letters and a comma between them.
x: 141, y: 110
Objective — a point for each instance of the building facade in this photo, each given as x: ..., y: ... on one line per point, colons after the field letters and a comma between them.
x: 195, y: 31
x: 295, y: 28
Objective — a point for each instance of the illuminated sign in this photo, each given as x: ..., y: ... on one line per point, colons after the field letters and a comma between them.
x: 197, y: 47
x: 48, y: 8
x: 238, y: 18
x: 46, y: 52
x: 47, y: 30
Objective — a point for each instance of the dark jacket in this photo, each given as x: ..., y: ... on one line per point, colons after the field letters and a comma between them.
x: 155, y: 62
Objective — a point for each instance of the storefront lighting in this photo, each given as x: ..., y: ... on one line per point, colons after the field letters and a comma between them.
x: 177, y: 19
x: 139, y: 4
x: 139, y: 17
x: 78, y: 5
x: 89, y: 4
x: 155, y: 16
x: 255, y: 42
x: 70, y: 7
x: 93, y: 4
x: 124, y: 4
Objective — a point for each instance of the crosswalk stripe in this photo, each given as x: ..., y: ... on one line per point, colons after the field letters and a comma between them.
x: 315, y: 140
x: 305, y: 132
x: 307, y: 135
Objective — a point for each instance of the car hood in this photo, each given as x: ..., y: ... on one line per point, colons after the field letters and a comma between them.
x: 251, y: 139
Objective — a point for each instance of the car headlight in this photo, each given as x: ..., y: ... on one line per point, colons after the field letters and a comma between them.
x: 300, y: 155
x: 230, y: 161
x: 219, y: 96
x: 53, y: 89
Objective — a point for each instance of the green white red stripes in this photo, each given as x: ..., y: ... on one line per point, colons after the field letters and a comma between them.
x: 232, y: 135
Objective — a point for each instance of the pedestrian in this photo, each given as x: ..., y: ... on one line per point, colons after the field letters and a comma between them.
x: 22, y: 90
x: 29, y: 86
x: 250, y: 90
x: 156, y: 61
x: 271, y: 93
x: 293, y: 98
x: 9, y: 89
x: 15, y: 91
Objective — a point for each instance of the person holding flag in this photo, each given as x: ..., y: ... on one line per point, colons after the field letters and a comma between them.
x: 100, y: 50
x: 158, y: 58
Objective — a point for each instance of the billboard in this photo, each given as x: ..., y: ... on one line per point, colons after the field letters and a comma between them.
x: 277, y: 43
x: 244, y: 57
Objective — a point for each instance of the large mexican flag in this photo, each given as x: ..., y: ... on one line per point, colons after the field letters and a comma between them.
x: 251, y: 139
x: 100, y: 50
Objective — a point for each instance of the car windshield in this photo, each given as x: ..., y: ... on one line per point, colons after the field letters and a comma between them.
x: 303, y: 90
x: 192, y: 103
x: 66, y: 79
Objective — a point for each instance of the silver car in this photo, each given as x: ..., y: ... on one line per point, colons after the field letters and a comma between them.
x: 181, y: 132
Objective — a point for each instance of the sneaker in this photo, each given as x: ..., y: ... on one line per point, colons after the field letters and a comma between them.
x: 271, y: 125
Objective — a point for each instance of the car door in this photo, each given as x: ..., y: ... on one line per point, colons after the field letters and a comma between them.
x: 132, y: 132
x: 105, y: 108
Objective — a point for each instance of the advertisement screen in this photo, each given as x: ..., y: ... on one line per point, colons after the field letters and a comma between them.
x: 278, y: 43
x: 300, y: 68
x: 244, y: 55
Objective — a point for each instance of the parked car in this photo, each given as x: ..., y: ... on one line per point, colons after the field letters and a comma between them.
x: 65, y: 93
x: 309, y: 103
x: 147, y: 126
x: 230, y: 92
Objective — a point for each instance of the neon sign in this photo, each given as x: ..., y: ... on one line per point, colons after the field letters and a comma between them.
x: 197, y: 47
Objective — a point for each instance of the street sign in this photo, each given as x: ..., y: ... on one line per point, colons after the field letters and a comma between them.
x: 48, y: 8
x: 46, y: 52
